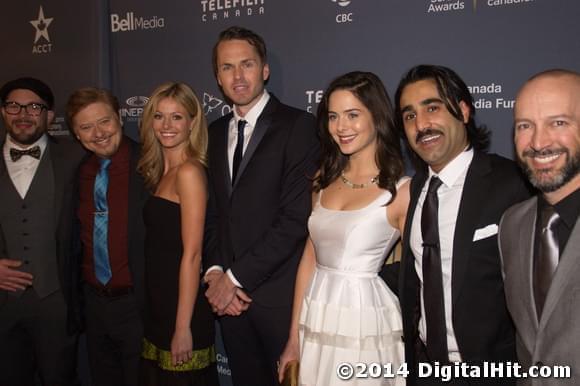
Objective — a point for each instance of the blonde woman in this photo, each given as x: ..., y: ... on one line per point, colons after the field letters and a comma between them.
x: 179, y: 327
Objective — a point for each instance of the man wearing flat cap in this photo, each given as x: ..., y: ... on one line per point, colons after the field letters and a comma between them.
x: 38, y: 316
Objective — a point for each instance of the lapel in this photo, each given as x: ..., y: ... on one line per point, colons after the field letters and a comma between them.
x: 476, y: 186
x: 219, y: 165
x: 59, y: 159
x: 262, y: 125
x: 408, y: 259
x: 525, y: 246
x: 567, y: 272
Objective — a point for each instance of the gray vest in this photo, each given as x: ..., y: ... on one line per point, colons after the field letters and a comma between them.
x: 29, y: 226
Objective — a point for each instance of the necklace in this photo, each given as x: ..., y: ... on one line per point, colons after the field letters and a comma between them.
x: 352, y: 185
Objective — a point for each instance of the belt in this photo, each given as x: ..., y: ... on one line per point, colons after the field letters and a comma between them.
x: 106, y: 292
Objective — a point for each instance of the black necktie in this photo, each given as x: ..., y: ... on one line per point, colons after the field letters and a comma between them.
x: 239, y: 149
x: 16, y: 154
x: 432, y: 277
x: 547, y: 255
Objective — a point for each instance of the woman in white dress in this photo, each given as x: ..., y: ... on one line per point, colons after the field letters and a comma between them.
x: 343, y: 312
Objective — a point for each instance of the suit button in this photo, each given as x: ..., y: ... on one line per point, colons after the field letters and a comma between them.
x: 26, y: 248
x: 23, y: 206
x: 26, y: 262
x: 25, y: 234
x: 24, y: 220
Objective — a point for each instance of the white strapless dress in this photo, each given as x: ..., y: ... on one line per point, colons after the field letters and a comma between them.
x: 348, y: 313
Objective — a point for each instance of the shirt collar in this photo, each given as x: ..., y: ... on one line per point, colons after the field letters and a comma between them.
x: 568, y: 208
x: 454, y: 169
x: 252, y: 116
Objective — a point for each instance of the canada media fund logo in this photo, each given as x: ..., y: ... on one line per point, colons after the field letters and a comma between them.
x: 42, y: 44
x: 214, y: 10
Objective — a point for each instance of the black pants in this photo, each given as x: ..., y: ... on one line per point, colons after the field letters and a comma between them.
x: 254, y: 342
x: 114, y: 330
x: 33, y: 338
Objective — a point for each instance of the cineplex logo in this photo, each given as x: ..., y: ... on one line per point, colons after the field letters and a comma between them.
x: 130, y: 22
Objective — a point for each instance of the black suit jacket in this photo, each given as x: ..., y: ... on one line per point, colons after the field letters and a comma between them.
x: 66, y: 156
x: 482, y: 325
x: 257, y: 227
x: 136, y: 228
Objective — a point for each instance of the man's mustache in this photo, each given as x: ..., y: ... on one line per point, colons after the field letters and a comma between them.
x: 426, y: 133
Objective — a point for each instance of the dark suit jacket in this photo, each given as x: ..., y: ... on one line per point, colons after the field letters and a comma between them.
x: 136, y: 228
x: 553, y: 339
x: 482, y: 325
x: 257, y: 227
x: 66, y: 155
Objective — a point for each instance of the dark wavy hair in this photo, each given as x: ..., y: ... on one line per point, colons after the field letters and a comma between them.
x: 452, y: 90
x: 370, y: 91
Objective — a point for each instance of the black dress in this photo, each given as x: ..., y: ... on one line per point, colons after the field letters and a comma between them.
x: 163, y: 250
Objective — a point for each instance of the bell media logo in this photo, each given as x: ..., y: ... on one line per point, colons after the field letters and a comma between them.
x: 41, y: 24
x: 130, y: 22
x: 214, y: 10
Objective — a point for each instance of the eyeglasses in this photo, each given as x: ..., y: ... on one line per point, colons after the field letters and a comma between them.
x: 14, y: 108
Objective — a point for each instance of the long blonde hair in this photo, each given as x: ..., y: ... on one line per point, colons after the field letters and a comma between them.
x: 151, y: 163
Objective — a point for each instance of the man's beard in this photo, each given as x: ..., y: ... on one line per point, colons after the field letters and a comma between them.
x: 547, y: 185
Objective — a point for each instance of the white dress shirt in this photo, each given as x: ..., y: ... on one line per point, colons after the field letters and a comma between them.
x: 22, y: 172
x: 449, y: 194
x: 251, y: 119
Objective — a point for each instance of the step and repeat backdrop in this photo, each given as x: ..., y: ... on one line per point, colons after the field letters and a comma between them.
x: 131, y: 46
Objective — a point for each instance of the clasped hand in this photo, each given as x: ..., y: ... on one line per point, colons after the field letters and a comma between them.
x: 223, y: 295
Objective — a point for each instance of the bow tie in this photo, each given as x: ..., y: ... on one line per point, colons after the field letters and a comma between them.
x: 16, y: 154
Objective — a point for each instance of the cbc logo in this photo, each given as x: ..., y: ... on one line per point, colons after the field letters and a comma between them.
x: 344, y: 17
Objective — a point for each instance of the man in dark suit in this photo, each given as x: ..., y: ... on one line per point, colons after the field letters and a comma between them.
x: 111, y: 196
x: 540, y: 238
x: 38, y: 311
x: 450, y: 283
x: 260, y: 158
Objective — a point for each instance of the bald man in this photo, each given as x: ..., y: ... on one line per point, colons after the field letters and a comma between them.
x: 539, y: 238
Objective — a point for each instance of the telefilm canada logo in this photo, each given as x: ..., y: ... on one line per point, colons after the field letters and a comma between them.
x: 131, y: 22
x: 343, y: 16
x: 42, y: 44
x: 133, y: 108
x: 214, y: 10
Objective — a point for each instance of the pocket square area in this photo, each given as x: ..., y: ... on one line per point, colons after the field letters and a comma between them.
x: 485, y: 232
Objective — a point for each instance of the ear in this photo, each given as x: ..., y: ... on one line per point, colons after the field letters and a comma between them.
x: 50, y: 116
x: 266, y: 72
x: 465, y: 111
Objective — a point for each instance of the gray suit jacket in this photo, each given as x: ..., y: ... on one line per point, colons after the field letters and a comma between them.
x: 555, y: 338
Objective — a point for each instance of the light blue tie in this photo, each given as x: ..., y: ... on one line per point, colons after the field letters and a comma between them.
x: 101, y: 224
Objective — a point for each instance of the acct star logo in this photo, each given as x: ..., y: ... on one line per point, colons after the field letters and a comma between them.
x: 41, y: 25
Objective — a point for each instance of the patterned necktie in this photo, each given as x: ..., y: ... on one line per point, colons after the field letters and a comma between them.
x: 239, y: 149
x: 547, y: 255
x: 101, y: 224
x: 16, y: 154
x: 433, y: 277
